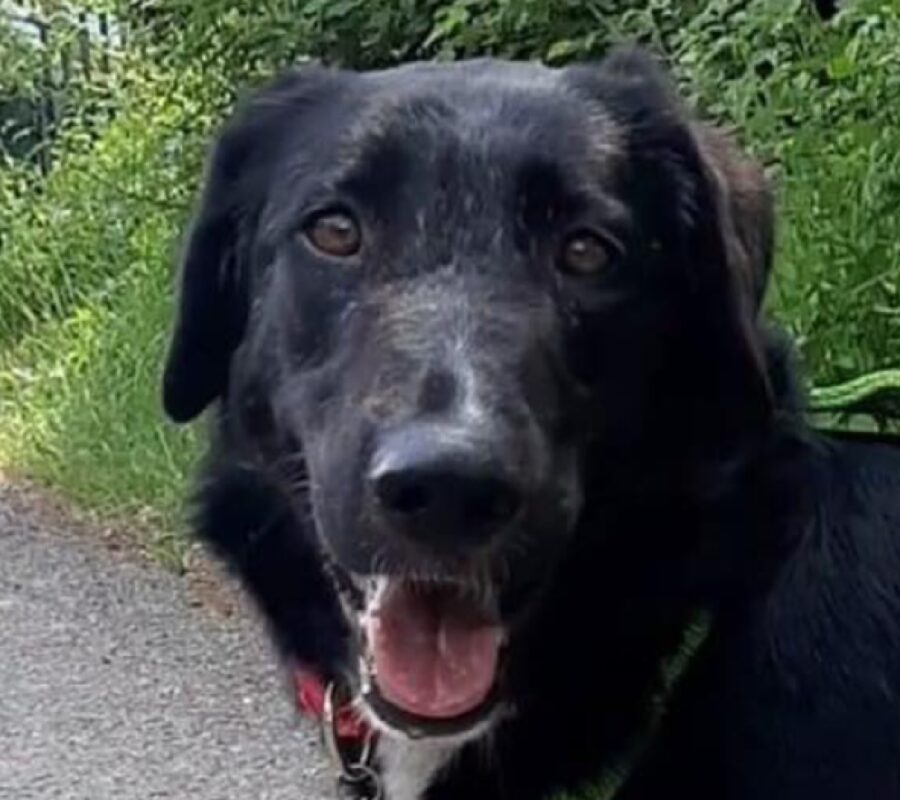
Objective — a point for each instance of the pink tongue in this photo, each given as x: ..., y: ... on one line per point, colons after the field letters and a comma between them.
x: 435, y: 657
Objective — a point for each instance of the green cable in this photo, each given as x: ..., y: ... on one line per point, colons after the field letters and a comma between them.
x: 877, y: 393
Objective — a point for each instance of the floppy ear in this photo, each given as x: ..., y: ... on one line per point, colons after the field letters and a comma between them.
x: 735, y: 231
x: 211, y: 306
x: 221, y: 244
x: 718, y: 208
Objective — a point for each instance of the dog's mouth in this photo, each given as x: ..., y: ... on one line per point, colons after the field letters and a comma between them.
x: 431, y: 656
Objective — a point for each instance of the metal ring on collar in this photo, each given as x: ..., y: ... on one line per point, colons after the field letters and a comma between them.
x: 354, y: 772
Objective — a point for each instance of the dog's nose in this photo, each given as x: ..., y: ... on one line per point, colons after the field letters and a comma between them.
x: 442, y: 490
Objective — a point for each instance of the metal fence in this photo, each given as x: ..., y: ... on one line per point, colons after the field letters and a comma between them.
x: 30, y: 118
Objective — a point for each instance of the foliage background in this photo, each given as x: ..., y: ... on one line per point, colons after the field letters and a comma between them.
x: 87, y: 250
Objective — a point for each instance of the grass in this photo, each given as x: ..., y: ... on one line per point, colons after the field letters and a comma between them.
x: 80, y: 411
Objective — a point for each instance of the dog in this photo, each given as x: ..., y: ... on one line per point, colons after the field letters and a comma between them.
x: 507, y: 455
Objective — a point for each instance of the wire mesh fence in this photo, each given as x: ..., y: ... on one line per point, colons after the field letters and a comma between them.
x: 47, y: 63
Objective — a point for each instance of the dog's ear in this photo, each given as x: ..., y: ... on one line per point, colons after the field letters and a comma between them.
x: 221, y: 243
x: 734, y: 232
x: 745, y: 211
x: 739, y: 234
x: 715, y: 206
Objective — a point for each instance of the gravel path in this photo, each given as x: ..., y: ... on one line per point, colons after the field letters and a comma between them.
x: 116, y: 683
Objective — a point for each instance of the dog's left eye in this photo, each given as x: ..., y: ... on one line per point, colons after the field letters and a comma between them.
x: 585, y: 253
x: 334, y: 233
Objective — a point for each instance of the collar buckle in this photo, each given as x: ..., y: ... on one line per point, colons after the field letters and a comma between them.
x: 357, y: 779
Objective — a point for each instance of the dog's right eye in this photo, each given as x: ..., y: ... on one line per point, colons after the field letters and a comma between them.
x: 585, y: 253
x: 333, y: 233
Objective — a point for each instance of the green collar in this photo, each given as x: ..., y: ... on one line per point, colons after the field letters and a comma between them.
x: 673, y: 669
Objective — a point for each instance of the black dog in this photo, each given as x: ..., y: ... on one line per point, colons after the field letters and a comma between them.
x: 497, y: 420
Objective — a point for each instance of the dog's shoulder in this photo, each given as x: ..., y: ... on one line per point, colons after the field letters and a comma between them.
x: 839, y: 591
x: 859, y: 492
x: 806, y: 675
x: 869, y: 457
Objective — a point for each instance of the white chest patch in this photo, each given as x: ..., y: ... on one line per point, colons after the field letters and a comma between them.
x: 408, y: 768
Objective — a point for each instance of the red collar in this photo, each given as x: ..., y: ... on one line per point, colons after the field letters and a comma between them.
x: 310, y: 690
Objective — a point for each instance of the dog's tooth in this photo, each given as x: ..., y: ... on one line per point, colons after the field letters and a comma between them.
x: 442, y: 643
x: 365, y: 677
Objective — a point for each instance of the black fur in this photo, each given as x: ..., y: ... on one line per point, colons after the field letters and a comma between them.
x: 826, y: 9
x: 699, y: 484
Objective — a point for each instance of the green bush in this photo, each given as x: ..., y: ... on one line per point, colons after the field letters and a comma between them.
x: 74, y: 235
x: 821, y: 104
x: 87, y: 275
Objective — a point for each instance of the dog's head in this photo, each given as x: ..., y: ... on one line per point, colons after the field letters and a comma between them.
x: 432, y: 298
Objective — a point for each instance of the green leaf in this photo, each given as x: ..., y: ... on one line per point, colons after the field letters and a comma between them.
x: 561, y: 50
x: 841, y: 67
